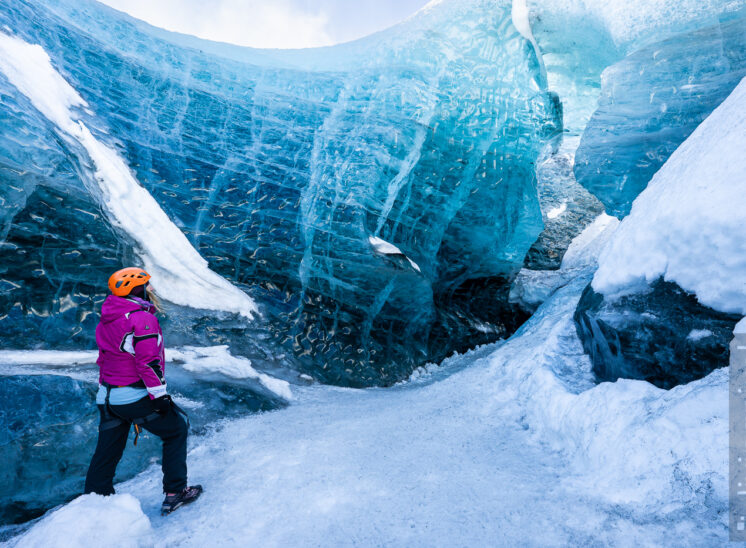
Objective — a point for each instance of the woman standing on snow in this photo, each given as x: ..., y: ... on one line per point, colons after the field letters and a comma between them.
x: 132, y: 389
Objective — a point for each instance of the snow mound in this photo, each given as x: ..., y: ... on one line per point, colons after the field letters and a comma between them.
x: 91, y: 520
x: 629, y: 441
x: 218, y: 359
x: 687, y: 225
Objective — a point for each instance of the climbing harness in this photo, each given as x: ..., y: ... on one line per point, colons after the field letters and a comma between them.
x: 112, y: 420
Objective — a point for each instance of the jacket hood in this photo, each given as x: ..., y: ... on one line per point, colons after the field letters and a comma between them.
x: 115, y: 307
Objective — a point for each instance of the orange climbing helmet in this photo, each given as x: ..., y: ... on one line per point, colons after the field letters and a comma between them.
x: 122, y: 281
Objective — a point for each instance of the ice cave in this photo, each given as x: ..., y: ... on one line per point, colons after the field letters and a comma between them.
x: 477, y: 279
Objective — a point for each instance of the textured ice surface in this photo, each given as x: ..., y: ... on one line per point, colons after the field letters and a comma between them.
x: 580, y: 38
x: 687, y: 226
x: 280, y: 167
x: 650, y: 102
x: 49, y: 424
x: 180, y: 274
x: 671, y: 63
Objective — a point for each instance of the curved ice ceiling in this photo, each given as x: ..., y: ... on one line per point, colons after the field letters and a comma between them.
x: 280, y: 168
x: 373, y: 200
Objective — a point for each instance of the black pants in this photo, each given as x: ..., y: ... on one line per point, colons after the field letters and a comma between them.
x: 171, y: 428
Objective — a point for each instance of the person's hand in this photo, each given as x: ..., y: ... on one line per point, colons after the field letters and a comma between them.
x: 162, y: 404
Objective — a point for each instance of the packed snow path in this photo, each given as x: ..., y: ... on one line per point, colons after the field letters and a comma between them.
x: 508, y: 445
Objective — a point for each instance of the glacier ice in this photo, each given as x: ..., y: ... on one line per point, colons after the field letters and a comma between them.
x: 635, y: 78
x: 180, y: 274
x: 279, y: 167
x: 648, y: 335
x: 650, y: 102
x: 47, y: 421
x: 578, y: 39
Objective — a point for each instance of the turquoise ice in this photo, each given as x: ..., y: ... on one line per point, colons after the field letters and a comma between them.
x: 283, y: 169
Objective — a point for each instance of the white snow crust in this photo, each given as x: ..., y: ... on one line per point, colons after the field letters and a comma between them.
x: 180, y: 274
x: 48, y: 357
x: 91, y: 520
x: 218, y: 359
x: 688, y: 224
x: 519, y: 15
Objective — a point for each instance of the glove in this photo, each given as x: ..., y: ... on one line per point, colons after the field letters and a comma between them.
x: 162, y: 404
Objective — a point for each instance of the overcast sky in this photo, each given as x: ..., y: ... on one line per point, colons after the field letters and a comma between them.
x: 272, y: 23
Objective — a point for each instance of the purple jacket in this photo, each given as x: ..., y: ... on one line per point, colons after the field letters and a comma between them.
x: 130, y: 345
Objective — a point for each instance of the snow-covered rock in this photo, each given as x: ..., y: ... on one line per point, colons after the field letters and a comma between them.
x: 677, y: 264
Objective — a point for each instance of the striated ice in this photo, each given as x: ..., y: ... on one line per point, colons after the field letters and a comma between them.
x: 578, y: 39
x: 180, y: 274
x: 279, y: 168
x: 651, y: 102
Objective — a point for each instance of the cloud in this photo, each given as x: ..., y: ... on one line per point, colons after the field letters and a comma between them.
x: 255, y: 23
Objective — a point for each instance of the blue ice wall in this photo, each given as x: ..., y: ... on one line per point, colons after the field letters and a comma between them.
x: 280, y: 167
x: 651, y: 101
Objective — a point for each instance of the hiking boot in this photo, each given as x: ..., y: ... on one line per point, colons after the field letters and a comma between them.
x: 177, y: 500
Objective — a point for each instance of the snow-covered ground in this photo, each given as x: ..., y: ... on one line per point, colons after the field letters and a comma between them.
x: 510, y: 444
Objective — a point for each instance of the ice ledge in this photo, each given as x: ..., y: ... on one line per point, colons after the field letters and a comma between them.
x: 215, y: 359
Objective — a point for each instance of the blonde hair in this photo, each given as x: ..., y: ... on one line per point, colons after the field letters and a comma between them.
x: 153, y: 298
